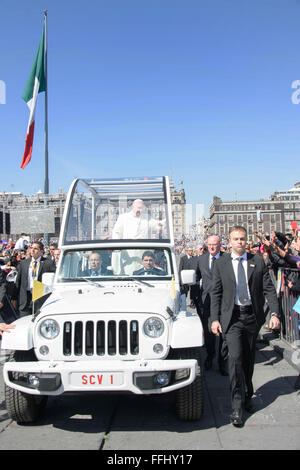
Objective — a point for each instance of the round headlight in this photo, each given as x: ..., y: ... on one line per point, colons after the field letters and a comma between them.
x: 153, y: 327
x: 49, y: 329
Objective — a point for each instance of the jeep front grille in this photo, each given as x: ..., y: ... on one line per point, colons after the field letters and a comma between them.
x: 101, y: 338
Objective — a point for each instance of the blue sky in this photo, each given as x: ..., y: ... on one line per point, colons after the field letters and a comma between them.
x: 200, y: 89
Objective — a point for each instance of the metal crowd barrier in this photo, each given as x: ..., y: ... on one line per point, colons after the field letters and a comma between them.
x: 290, y: 318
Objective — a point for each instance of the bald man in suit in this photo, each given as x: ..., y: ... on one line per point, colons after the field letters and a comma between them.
x: 204, y: 271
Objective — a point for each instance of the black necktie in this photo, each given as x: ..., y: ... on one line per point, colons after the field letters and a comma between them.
x: 242, y: 283
x: 213, y: 260
x: 34, y: 269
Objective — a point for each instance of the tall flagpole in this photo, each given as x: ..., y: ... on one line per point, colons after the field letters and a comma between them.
x: 46, y: 185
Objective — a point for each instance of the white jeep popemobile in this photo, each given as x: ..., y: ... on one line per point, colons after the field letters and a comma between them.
x: 113, y: 320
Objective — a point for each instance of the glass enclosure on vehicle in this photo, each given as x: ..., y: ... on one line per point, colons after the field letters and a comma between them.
x: 117, y: 209
x: 110, y: 263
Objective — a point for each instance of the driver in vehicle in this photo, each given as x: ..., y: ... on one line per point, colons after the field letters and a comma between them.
x: 148, y: 266
x: 95, y: 266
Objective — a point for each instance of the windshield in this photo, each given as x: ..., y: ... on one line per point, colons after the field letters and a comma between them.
x: 115, y: 263
x: 118, y: 209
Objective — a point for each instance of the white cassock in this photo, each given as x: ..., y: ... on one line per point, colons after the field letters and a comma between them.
x: 128, y: 226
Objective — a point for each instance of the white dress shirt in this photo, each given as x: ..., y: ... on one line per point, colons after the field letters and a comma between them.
x: 31, y: 274
x: 235, y: 262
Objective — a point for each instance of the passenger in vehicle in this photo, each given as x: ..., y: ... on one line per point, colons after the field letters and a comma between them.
x: 148, y: 266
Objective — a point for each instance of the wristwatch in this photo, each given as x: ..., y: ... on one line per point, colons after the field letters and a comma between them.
x: 275, y: 315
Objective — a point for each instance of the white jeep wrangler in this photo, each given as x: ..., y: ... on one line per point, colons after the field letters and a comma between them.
x: 113, y: 320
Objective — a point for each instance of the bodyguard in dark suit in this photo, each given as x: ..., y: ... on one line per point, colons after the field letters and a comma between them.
x: 195, y: 291
x: 205, y: 272
x: 29, y: 270
x: 7, y: 312
x: 241, y: 282
x: 2, y: 291
x: 2, y: 287
x: 187, y: 261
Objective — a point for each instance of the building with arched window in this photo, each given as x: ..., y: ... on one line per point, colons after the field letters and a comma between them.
x: 264, y: 215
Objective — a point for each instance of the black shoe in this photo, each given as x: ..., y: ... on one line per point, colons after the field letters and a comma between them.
x: 236, y: 418
x: 208, y: 363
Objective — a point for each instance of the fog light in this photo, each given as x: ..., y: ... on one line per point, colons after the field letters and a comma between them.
x: 44, y: 350
x: 33, y: 381
x: 182, y: 374
x: 162, y: 379
x: 158, y: 348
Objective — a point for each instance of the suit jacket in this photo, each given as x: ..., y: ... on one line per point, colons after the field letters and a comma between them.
x: 224, y: 290
x: 185, y: 263
x: 88, y: 272
x: 2, y: 285
x: 153, y: 271
x: 203, y: 272
x: 46, y: 266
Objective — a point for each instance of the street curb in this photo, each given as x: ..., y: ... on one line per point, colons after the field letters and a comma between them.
x: 282, y: 347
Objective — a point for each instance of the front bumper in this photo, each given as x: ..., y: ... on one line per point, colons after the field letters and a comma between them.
x: 58, y: 377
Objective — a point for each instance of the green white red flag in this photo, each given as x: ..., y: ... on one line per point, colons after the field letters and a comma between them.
x: 36, y: 83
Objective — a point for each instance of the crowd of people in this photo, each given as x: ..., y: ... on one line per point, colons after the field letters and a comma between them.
x: 277, y: 249
x: 17, y: 260
x: 234, y: 277
x: 234, y: 294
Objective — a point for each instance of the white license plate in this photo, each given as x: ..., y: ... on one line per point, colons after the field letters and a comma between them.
x: 96, y: 379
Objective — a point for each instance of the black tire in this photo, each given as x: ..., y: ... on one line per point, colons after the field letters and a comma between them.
x: 189, y: 400
x: 23, y: 407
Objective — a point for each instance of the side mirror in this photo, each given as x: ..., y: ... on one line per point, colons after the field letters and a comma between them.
x: 188, y: 276
x: 47, y: 279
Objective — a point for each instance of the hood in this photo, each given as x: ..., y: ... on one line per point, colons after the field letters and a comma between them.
x: 116, y: 299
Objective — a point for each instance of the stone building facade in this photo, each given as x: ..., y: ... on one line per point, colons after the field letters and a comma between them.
x: 15, y: 202
x: 276, y: 213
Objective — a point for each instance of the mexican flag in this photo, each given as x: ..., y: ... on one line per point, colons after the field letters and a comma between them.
x: 36, y: 83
